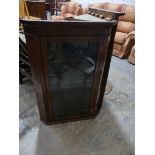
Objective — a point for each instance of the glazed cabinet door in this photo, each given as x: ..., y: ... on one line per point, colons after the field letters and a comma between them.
x: 70, y: 67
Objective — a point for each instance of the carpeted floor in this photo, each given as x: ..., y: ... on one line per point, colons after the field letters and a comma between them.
x: 112, y: 132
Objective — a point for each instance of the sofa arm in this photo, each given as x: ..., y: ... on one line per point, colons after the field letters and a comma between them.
x: 129, y: 43
x: 131, y: 35
x: 131, y: 57
x: 78, y: 11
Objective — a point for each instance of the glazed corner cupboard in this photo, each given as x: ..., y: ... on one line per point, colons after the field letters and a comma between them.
x: 70, y: 61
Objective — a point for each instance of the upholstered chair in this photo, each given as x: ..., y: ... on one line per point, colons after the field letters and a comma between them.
x: 126, y: 24
x: 125, y: 28
x: 70, y: 9
x: 131, y: 57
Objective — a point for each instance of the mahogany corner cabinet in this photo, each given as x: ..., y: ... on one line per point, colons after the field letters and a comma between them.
x: 70, y: 62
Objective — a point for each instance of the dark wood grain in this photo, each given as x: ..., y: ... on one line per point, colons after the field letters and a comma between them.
x: 108, y: 59
x: 37, y: 8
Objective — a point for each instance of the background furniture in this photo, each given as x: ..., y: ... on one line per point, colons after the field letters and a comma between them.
x: 55, y: 5
x: 66, y: 51
x: 126, y: 24
x: 131, y: 58
x: 24, y: 12
x: 24, y: 63
x: 70, y: 9
x: 37, y: 8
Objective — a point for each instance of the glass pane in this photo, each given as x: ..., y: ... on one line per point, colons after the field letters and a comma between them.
x: 71, y: 69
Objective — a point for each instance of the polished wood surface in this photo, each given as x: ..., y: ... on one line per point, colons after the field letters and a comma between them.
x: 37, y: 8
x: 39, y: 32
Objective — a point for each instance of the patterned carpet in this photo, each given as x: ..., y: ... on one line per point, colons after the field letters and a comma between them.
x: 112, y: 132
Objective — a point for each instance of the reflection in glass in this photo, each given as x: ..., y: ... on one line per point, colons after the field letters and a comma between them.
x: 71, y: 69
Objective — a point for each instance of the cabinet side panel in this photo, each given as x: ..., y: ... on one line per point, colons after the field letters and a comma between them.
x: 107, y: 66
x: 101, y: 60
x: 33, y: 46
